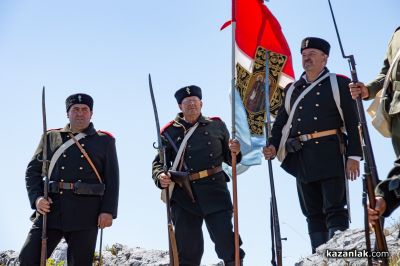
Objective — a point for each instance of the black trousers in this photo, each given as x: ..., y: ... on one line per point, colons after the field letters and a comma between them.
x: 81, y: 246
x: 324, y: 204
x: 189, y: 235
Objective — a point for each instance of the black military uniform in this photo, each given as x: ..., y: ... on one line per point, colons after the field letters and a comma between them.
x: 389, y: 189
x: 72, y: 216
x: 206, y: 149
x: 318, y: 166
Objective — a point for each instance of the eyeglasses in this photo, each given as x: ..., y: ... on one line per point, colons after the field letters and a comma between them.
x: 189, y: 101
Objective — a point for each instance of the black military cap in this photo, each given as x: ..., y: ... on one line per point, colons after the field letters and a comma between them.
x: 317, y: 43
x: 187, y: 91
x: 79, y: 98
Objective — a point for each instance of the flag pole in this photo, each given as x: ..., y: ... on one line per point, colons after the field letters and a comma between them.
x: 276, y: 239
x: 234, y: 173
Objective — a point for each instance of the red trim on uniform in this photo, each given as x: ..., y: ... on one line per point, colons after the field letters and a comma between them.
x: 343, y: 76
x: 166, y: 126
x: 106, y: 132
x: 215, y: 118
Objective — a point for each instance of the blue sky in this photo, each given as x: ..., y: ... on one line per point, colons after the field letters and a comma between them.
x: 108, y: 48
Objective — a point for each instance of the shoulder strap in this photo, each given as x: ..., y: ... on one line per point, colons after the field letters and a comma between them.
x: 336, y: 96
x: 86, y: 156
x: 177, y: 159
x: 288, y: 97
x: 183, y: 146
x: 60, y: 150
x: 286, y: 129
x: 388, y: 74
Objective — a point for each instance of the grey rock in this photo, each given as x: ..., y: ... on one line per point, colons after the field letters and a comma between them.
x: 349, y: 240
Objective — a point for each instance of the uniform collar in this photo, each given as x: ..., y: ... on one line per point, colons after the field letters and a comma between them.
x: 304, y: 77
x: 90, y: 130
x: 180, y: 122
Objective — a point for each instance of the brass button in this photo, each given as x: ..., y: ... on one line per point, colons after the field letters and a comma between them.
x: 316, y: 142
x: 298, y: 132
x: 83, y: 144
x: 209, y: 143
x: 62, y: 167
x: 320, y: 84
x: 81, y: 168
x: 81, y: 155
x: 61, y: 192
x: 190, y: 157
x: 315, y: 118
x: 318, y: 93
x: 191, y: 169
x: 304, y: 86
x: 64, y: 155
x: 206, y: 133
x: 62, y: 180
x: 298, y: 119
x: 211, y: 155
x: 317, y: 104
x: 300, y: 107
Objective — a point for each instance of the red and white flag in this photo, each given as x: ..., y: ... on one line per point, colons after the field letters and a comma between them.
x: 257, y: 34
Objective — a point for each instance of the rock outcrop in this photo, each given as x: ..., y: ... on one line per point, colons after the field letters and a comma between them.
x: 350, y: 240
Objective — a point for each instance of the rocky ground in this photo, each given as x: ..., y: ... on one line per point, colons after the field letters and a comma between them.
x: 350, y: 240
x: 119, y: 254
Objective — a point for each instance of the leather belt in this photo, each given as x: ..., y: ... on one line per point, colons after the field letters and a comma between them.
x: 205, y: 173
x: 324, y: 133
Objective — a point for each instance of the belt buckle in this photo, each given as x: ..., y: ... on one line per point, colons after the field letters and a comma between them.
x: 304, y: 137
x: 203, y: 174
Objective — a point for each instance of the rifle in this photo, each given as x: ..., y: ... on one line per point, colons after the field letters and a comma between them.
x: 276, y: 239
x: 370, y: 176
x: 45, y: 163
x: 173, y: 250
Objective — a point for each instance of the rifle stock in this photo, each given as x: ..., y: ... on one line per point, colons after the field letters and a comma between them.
x: 370, y: 171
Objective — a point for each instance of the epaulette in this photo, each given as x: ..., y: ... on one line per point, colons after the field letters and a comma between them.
x: 106, y: 132
x: 215, y: 118
x: 342, y: 76
x: 166, y: 126
x: 52, y: 129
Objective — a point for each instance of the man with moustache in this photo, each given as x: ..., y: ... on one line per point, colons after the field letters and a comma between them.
x: 83, y: 186
x: 308, y: 137
x: 205, y: 150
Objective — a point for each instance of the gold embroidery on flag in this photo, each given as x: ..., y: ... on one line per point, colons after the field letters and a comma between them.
x: 251, y: 87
